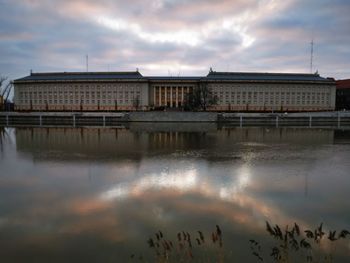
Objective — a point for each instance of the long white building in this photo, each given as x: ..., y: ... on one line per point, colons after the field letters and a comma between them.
x: 114, y: 91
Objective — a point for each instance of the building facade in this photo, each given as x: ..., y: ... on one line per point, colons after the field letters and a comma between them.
x: 116, y: 91
x: 81, y: 92
x: 343, y: 94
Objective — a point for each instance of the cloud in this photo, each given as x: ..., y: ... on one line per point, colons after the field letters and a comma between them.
x: 180, y: 36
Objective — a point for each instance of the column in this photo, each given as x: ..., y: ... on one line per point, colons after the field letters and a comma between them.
x: 165, y: 95
x: 160, y: 96
x: 171, y: 96
x: 177, y: 94
x: 154, y: 96
x: 182, y: 96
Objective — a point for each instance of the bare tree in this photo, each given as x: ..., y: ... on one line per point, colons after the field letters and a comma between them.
x: 207, y: 97
x: 2, y: 80
x: 201, y: 98
x: 115, y: 105
x: 5, y: 91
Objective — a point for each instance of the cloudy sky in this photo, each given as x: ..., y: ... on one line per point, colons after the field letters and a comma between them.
x: 175, y: 37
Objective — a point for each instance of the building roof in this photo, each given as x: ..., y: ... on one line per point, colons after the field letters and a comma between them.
x: 343, y: 84
x: 66, y: 76
x: 212, y: 76
x: 256, y: 76
x: 177, y: 78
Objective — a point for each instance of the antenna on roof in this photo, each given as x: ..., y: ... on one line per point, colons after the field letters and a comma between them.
x: 211, y: 70
x: 87, y: 63
x: 311, y: 54
x: 137, y: 69
x: 31, y: 71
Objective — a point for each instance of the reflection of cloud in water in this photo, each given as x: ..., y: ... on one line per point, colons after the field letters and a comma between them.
x: 229, y: 192
x: 183, y: 181
x: 232, y: 194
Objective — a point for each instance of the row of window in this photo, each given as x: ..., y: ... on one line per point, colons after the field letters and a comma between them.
x: 259, y: 98
x: 83, y: 97
x: 78, y: 102
x: 83, y: 87
x: 278, y: 87
x: 82, y: 94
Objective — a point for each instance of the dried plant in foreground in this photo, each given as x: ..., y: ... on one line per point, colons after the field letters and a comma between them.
x: 296, y: 245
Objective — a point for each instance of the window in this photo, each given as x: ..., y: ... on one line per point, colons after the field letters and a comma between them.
x: 243, y: 97
x: 255, y: 97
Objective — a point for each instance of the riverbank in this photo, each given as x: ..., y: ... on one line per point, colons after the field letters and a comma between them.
x: 79, y: 119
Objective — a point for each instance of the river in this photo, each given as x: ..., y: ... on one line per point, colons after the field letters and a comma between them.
x: 99, y: 194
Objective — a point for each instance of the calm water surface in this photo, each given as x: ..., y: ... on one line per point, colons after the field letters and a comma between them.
x: 98, y: 194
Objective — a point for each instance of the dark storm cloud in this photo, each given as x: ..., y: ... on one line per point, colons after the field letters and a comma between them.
x: 163, y: 36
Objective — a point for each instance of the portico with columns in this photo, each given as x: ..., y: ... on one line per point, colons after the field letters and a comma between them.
x: 170, y: 94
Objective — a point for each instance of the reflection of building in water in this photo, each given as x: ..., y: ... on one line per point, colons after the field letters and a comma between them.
x: 172, y: 127
x: 277, y: 135
x: 102, y: 143
x: 109, y: 143
x: 81, y: 143
x: 342, y: 136
x: 2, y: 135
x: 177, y: 140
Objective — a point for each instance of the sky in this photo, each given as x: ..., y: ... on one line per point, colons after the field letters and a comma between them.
x: 175, y: 37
